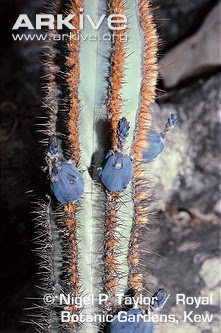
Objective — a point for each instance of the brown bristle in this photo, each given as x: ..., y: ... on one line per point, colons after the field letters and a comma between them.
x: 116, y: 75
x: 110, y: 265
x: 73, y: 79
x: 114, y: 103
x: 147, y: 96
x: 50, y: 101
x: 136, y: 282
x: 70, y: 211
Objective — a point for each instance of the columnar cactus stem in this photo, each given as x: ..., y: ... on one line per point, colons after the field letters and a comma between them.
x: 70, y: 211
x: 116, y: 74
x: 110, y: 252
x: 73, y: 79
x: 51, y: 99
x: 114, y: 103
x: 147, y: 96
x: 122, y: 207
x: 47, y: 248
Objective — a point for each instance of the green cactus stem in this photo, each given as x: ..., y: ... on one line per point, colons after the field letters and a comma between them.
x: 107, y: 79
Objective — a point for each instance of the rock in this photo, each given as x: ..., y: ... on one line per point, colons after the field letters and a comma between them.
x: 183, y: 218
x: 178, y: 328
x: 217, y: 207
x: 187, y: 171
x: 178, y: 18
x: 210, y: 272
x: 178, y: 310
x: 151, y: 280
x: 196, y: 55
x: 191, y: 181
x: 176, y: 145
x: 215, y: 295
x: 188, y: 246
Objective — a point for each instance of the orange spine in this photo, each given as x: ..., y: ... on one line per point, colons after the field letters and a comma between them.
x: 73, y: 79
x: 147, y: 96
x: 110, y: 253
x: 70, y: 211
x: 116, y: 76
x: 117, y: 60
x: 51, y: 98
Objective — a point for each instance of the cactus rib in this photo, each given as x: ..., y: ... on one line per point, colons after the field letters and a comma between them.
x: 116, y: 75
x: 73, y: 79
x: 147, y: 95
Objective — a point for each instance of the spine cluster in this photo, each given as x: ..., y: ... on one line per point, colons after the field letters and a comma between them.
x: 116, y: 73
x: 73, y: 80
x: 114, y: 103
x: 147, y: 96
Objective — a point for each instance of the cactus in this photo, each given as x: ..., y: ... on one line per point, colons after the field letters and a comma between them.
x: 98, y: 99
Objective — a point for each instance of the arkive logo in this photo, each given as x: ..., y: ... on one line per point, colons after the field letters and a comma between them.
x: 49, y: 21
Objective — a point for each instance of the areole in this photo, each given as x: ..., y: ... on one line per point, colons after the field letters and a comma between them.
x: 114, y: 21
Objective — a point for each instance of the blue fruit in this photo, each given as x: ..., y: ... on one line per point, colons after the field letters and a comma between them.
x: 155, y: 146
x: 136, y: 326
x: 66, y: 182
x: 116, y: 171
x: 159, y: 298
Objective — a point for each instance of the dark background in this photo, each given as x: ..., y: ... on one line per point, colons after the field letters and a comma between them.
x: 22, y: 157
